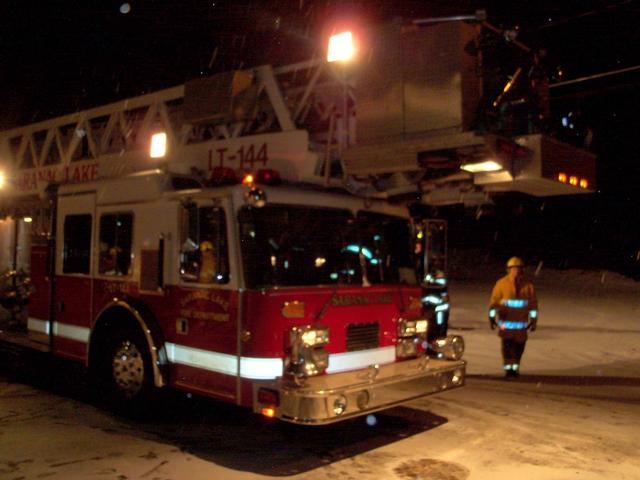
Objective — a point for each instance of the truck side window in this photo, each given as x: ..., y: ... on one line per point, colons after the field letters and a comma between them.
x: 115, y: 244
x: 76, y: 257
x: 203, y: 251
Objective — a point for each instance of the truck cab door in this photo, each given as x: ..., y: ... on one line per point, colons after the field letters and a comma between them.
x: 75, y: 228
x: 203, y: 348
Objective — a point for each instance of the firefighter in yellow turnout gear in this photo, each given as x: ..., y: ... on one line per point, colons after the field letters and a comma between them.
x: 514, y: 310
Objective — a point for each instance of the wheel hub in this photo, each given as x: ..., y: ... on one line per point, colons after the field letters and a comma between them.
x: 128, y: 369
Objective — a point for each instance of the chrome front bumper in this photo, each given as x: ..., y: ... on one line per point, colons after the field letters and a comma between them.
x: 317, y: 400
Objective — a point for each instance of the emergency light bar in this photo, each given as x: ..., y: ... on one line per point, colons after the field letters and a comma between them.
x: 264, y: 176
x: 220, y: 176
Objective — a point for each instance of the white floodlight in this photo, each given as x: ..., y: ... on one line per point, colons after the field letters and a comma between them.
x: 158, y: 145
x: 341, y: 47
x: 486, y: 166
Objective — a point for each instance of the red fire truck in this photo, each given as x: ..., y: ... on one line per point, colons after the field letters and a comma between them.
x: 298, y: 303
x: 230, y: 237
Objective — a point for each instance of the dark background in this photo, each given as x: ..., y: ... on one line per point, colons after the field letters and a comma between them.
x: 58, y: 57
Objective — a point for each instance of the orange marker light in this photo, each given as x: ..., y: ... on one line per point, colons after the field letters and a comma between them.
x: 562, y: 177
x: 248, y: 179
x: 584, y: 183
x: 573, y: 180
x: 294, y: 309
x: 268, y: 412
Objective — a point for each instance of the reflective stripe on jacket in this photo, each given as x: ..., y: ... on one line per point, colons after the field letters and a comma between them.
x: 506, y: 324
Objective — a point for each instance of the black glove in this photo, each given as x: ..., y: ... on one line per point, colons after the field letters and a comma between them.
x: 492, y: 318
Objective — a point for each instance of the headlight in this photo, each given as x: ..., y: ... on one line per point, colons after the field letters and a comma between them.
x: 411, y: 327
x: 421, y: 326
x: 306, y: 353
x: 315, y: 336
x: 411, y: 334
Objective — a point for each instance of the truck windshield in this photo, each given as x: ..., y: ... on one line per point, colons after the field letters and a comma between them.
x: 299, y: 246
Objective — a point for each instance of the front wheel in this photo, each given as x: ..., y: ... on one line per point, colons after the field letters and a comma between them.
x: 126, y: 374
x: 128, y: 369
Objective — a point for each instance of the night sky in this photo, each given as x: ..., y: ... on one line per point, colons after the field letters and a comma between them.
x: 58, y: 57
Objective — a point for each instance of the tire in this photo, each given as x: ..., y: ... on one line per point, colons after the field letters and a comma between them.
x: 125, y: 372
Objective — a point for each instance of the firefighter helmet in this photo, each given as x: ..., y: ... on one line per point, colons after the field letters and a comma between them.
x: 206, y: 246
x: 515, y: 262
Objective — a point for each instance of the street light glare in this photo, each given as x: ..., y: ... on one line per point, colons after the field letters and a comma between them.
x: 340, y: 47
x: 2, y: 179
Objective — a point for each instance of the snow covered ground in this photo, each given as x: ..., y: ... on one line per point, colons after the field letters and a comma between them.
x: 589, y: 323
x: 574, y: 413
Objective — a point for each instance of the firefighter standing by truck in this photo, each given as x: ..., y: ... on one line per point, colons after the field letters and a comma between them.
x: 514, y: 310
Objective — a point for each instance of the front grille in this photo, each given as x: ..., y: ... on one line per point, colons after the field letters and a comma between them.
x: 362, y: 336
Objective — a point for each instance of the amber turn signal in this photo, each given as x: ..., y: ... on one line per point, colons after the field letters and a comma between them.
x: 268, y: 412
x: 294, y: 309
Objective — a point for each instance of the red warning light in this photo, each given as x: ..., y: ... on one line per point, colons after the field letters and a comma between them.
x: 267, y: 176
x: 223, y: 176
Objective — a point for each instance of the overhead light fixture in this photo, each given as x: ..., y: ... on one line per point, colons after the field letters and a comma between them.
x: 486, y: 166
